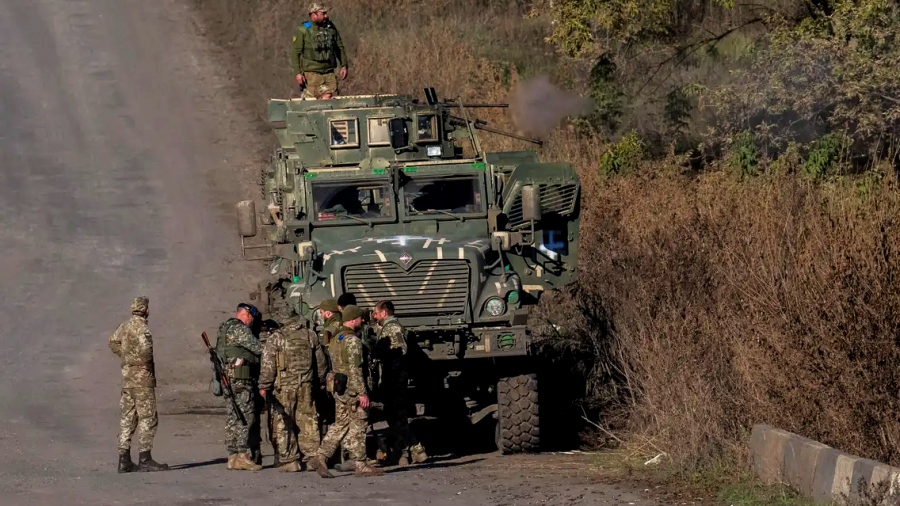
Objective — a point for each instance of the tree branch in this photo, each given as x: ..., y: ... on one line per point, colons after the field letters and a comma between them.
x: 687, y: 50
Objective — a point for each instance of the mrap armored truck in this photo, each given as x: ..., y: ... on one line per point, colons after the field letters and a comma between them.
x: 389, y: 197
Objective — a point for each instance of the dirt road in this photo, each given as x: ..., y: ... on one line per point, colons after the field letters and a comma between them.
x: 121, y: 156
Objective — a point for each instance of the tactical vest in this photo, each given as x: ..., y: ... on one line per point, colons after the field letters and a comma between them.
x: 230, y: 353
x: 295, y: 360
x: 336, y: 353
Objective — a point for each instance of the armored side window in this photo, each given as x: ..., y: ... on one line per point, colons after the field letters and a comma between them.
x: 379, y: 135
x: 344, y: 133
x: 426, y: 128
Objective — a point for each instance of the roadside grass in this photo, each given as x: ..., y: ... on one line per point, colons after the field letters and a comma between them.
x: 725, y: 484
x: 748, y: 492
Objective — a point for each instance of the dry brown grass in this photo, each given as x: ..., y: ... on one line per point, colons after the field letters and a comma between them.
x: 705, y: 304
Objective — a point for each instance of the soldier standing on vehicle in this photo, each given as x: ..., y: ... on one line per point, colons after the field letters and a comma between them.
x: 293, y: 366
x: 391, y: 352
x: 317, y: 49
x: 240, y: 351
x: 351, y: 399
x: 133, y: 343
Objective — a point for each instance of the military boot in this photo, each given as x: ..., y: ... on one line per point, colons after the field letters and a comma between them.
x: 417, y: 452
x: 147, y: 464
x: 364, y: 469
x: 231, y: 457
x: 347, y: 466
x: 126, y: 465
x: 243, y: 462
x: 290, y: 467
x: 318, y: 463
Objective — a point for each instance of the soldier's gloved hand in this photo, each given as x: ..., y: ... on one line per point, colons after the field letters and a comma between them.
x: 300, y: 79
x: 343, y: 73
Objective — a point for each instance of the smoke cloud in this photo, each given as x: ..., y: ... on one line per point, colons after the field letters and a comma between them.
x: 537, y: 106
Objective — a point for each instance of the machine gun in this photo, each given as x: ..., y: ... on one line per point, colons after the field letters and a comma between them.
x: 478, y: 124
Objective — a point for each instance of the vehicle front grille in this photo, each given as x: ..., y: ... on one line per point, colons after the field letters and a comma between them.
x: 430, y: 287
x: 555, y: 198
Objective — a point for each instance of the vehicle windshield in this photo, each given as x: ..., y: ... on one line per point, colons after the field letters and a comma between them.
x: 453, y: 194
x: 345, y: 201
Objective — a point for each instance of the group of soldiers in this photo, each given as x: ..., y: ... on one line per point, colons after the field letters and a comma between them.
x: 316, y: 380
x: 302, y: 374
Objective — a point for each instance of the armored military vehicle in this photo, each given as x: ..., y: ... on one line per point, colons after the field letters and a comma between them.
x: 388, y: 197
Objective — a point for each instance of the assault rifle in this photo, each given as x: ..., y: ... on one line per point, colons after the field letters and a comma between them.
x: 219, y: 367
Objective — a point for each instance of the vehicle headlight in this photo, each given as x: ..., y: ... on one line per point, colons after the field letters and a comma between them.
x: 495, y: 306
x: 434, y: 150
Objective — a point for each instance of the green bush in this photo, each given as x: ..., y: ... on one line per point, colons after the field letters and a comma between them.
x: 825, y: 156
x: 744, y: 156
x: 624, y: 156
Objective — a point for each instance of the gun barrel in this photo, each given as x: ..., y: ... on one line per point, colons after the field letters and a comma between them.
x: 482, y: 126
x: 477, y: 106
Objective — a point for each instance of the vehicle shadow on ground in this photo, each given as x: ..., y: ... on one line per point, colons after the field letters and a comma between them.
x: 191, y: 465
x: 434, y: 463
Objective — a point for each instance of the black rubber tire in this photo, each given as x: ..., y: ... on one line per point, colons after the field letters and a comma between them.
x: 518, y: 416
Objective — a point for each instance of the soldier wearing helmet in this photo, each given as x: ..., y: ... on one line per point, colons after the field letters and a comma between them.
x: 317, y: 50
x: 133, y: 343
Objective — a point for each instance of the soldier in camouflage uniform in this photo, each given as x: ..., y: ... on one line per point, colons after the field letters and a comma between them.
x: 351, y: 399
x: 240, y: 351
x: 133, y: 343
x: 331, y: 316
x: 293, y: 367
x: 316, y: 50
x: 390, y: 351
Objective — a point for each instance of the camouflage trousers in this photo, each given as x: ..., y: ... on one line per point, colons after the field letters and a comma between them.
x: 396, y: 413
x: 138, y: 407
x: 320, y: 84
x: 347, y: 431
x: 300, y: 408
x: 237, y: 435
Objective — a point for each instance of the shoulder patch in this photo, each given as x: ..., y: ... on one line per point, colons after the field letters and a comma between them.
x: 294, y: 38
x: 148, y: 334
x: 308, y: 24
x: 340, y: 337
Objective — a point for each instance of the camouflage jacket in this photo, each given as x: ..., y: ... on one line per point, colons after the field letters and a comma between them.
x: 317, y: 48
x: 390, y: 349
x: 133, y: 343
x: 292, y: 355
x: 235, y: 340
x: 347, y: 358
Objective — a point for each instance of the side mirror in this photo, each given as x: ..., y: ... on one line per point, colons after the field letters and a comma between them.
x: 399, y: 133
x: 531, y: 203
x: 246, y: 218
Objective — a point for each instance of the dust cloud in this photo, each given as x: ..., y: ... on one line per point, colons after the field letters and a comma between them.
x: 537, y: 106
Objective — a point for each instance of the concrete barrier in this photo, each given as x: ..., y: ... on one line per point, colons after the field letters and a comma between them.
x: 812, y: 468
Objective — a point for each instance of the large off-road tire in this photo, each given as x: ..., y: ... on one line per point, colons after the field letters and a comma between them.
x: 518, y: 421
